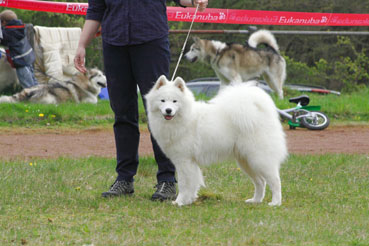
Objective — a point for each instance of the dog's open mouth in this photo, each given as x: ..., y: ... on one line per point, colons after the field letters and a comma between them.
x: 168, y: 117
x: 101, y: 84
x: 193, y: 59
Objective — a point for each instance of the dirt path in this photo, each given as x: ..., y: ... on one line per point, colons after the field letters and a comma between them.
x: 28, y: 144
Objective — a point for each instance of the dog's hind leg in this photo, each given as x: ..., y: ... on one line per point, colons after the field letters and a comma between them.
x: 190, y: 180
x: 275, y: 185
x: 277, y: 75
x: 274, y: 82
x: 273, y: 180
x: 259, y: 182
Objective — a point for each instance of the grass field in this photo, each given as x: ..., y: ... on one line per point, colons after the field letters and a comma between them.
x: 345, y: 108
x: 57, y: 202
x: 351, y: 107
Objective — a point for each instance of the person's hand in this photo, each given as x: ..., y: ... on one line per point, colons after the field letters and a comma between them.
x: 79, y: 60
x: 202, y: 4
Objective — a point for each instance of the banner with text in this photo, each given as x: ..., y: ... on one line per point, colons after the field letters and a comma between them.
x: 211, y: 15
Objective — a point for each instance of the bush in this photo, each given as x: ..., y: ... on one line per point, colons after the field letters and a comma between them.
x: 347, y: 73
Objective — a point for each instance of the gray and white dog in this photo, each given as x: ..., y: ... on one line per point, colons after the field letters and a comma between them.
x: 236, y: 63
x: 82, y: 88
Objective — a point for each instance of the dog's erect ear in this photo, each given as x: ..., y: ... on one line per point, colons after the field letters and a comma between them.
x: 91, y: 73
x: 180, y: 84
x: 88, y: 72
x: 196, y: 39
x: 162, y: 80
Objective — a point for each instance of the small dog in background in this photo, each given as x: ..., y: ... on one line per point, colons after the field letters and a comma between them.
x: 236, y: 63
x: 83, y: 88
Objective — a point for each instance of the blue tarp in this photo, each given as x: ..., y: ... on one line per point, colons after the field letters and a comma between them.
x: 104, y: 95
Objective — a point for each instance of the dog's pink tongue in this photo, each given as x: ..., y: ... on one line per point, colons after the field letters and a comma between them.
x: 168, y: 117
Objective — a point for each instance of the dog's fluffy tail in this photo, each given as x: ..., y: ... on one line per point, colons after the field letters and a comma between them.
x: 263, y: 37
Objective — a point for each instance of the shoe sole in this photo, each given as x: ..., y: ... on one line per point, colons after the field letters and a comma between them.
x: 107, y: 195
x: 161, y: 199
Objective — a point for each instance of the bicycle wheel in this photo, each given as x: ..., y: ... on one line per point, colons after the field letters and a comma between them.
x: 315, y: 121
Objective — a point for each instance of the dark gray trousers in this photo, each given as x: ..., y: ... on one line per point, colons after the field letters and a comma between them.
x: 127, y: 67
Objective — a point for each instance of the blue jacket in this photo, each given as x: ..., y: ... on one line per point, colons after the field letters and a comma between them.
x: 14, y: 36
x: 130, y: 22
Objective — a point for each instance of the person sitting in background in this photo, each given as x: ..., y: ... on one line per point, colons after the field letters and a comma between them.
x: 20, y: 51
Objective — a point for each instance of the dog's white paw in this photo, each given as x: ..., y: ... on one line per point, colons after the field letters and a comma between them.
x: 252, y: 200
x: 279, y: 203
x: 177, y: 204
x: 181, y: 201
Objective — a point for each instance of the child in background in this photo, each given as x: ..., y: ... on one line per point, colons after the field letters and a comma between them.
x: 21, y: 52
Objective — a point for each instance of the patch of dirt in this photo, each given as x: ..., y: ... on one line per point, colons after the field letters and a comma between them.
x: 339, y: 139
x: 27, y: 144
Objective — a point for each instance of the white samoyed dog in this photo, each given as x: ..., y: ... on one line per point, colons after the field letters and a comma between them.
x: 240, y: 123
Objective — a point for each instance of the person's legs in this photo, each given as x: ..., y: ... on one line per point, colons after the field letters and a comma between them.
x: 35, y: 82
x: 26, y: 76
x: 122, y: 90
x: 149, y: 62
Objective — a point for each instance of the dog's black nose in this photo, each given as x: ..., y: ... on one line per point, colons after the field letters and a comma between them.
x: 168, y: 111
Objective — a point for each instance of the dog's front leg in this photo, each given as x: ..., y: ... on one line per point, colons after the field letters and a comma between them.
x: 231, y: 75
x: 224, y: 81
x: 190, y: 180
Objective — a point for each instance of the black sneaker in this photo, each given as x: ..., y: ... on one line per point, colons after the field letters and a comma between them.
x: 119, y: 188
x: 164, y: 191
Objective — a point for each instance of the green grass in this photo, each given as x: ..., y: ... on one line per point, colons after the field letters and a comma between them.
x: 353, y: 107
x: 57, y: 202
x: 341, y: 109
x: 64, y: 115
x: 67, y: 114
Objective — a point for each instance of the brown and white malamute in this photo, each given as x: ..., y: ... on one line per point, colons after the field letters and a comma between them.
x: 235, y: 63
x: 82, y: 88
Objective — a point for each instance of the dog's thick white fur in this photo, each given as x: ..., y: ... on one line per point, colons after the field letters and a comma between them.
x: 240, y: 123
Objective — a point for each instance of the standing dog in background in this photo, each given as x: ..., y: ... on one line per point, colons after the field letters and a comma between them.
x: 236, y: 63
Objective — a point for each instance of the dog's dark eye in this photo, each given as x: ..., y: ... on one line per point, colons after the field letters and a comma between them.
x: 162, y: 100
x: 174, y: 101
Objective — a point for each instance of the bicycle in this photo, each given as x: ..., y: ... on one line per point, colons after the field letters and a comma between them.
x: 304, y: 116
